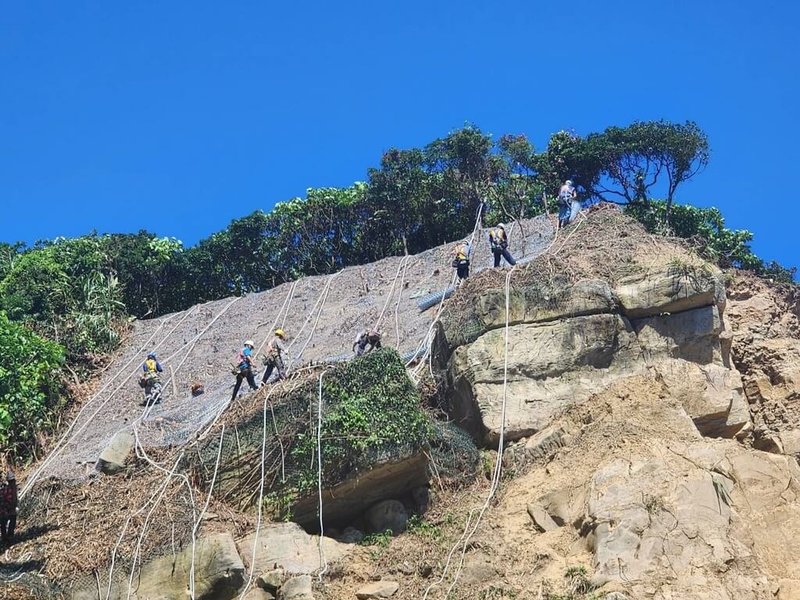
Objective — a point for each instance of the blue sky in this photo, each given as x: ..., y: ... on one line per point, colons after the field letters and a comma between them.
x: 178, y: 117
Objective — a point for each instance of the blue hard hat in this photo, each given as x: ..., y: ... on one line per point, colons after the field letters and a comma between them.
x: 151, y: 355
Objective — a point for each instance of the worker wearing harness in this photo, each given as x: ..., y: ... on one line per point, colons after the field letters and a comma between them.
x: 461, y: 260
x: 367, y: 337
x: 244, y: 368
x: 498, y: 242
x: 273, y: 359
x: 151, y: 380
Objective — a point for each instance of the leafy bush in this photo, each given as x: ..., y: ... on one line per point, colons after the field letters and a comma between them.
x: 29, y: 385
x: 371, y: 412
x: 727, y: 247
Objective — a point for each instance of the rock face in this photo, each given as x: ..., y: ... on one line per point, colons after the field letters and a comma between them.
x: 567, y: 342
x: 112, y: 458
x: 288, y: 546
x: 218, y: 574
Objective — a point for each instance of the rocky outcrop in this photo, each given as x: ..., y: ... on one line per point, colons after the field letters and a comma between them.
x: 289, y: 547
x: 218, y: 574
x: 566, y: 342
x: 112, y: 458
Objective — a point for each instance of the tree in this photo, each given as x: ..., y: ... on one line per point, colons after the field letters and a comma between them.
x: 29, y: 385
x: 634, y: 158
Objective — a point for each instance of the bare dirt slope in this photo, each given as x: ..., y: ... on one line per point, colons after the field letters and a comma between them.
x: 321, y: 315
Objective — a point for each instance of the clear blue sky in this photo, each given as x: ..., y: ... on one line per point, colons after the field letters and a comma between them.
x: 180, y: 116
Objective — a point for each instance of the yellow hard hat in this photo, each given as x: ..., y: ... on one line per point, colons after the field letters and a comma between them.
x: 280, y: 333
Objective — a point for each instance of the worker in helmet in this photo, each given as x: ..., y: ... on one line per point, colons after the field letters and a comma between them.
x: 367, y: 337
x: 566, y: 194
x: 151, y: 379
x: 244, y: 368
x: 498, y: 243
x: 273, y: 359
x: 461, y: 260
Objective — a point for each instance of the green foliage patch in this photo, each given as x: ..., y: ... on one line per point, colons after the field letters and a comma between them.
x: 727, y: 247
x: 29, y: 385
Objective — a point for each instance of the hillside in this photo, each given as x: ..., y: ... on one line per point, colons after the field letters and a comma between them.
x: 645, y: 404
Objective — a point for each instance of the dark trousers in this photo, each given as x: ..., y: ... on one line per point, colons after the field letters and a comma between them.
x: 273, y: 363
x: 502, y: 252
x: 360, y: 350
x: 241, y: 376
x: 7, y: 525
x: 462, y: 270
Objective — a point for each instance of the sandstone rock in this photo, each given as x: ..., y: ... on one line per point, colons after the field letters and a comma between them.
x: 387, y: 515
x: 377, y: 590
x: 547, y: 441
x: 219, y: 572
x: 676, y: 290
x: 550, y: 365
x: 289, y: 547
x: 351, y: 535
x: 711, y: 394
x: 541, y: 520
x: 565, y: 506
x: 346, y: 501
x: 256, y: 593
x: 692, y: 335
x: 788, y: 589
x: 112, y: 458
x: 297, y: 588
x: 272, y: 580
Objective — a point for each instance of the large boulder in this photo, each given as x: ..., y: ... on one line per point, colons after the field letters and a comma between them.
x: 679, y: 288
x: 218, y: 574
x: 565, y: 344
x: 694, y: 511
x: 289, y: 547
x: 112, y: 458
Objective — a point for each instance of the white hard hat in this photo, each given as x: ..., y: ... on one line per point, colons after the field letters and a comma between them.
x: 568, y: 182
x: 501, y: 226
x: 250, y: 343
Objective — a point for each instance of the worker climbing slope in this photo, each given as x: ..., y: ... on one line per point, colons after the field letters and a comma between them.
x: 498, y: 243
x: 567, y: 195
x: 244, y: 368
x: 461, y: 260
x: 273, y: 359
x: 151, y: 379
x: 367, y: 337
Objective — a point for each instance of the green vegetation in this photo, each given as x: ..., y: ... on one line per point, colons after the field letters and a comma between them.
x: 29, y: 385
x: 726, y: 247
x: 578, y: 586
x: 371, y: 414
x: 81, y: 292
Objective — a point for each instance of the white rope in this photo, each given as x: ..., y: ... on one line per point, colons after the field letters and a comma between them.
x: 322, y: 562
x: 391, y: 293
x: 260, y: 492
x: 397, y: 305
x: 498, y: 466
x: 63, y: 441
x: 203, y: 512
x: 321, y: 302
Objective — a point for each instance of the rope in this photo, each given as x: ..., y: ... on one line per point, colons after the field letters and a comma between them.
x: 391, y: 292
x: 498, y: 466
x: 63, y: 441
x: 322, y: 562
x: 321, y: 302
x: 397, y: 306
x: 205, y: 508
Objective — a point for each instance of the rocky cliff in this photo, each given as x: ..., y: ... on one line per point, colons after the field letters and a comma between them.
x: 647, y: 405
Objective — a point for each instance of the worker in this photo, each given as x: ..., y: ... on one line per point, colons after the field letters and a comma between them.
x: 151, y: 379
x: 498, y: 242
x: 244, y: 368
x: 273, y: 359
x: 567, y: 196
x: 461, y: 260
x: 8, y: 508
x: 367, y: 337
x: 640, y: 189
